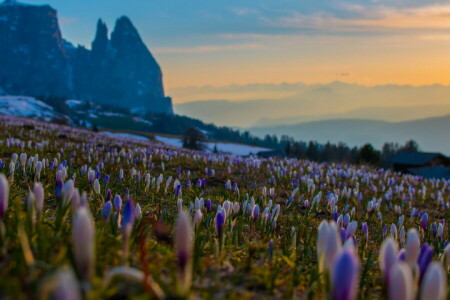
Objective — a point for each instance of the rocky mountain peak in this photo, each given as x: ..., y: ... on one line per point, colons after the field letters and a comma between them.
x: 36, y: 61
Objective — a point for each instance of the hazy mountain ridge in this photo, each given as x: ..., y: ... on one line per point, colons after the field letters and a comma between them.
x: 316, y: 102
x: 432, y: 134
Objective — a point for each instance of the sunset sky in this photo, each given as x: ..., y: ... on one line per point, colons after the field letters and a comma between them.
x: 213, y: 42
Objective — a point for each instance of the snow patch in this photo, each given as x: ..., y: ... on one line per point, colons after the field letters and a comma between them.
x: 140, y: 120
x: 26, y: 107
x: 222, y: 147
x: 176, y: 142
x: 125, y: 135
x: 111, y: 114
x: 73, y: 103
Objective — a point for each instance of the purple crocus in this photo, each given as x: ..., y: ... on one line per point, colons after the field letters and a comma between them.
x: 183, y: 248
x: 108, y: 195
x: 255, y: 213
x: 220, y: 221
x: 106, y: 210
x: 424, y: 221
x: 128, y: 214
x: 344, y: 276
x: 83, y: 236
x: 425, y: 257
x: 388, y: 256
x: 208, y: 205
x: 365, y: 229
x: 117, y: 203
x: 4, y: 195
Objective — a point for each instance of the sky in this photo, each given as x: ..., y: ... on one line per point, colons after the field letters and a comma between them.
x: 224, y: 42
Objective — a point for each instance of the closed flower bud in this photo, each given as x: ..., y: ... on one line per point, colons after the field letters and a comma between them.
x: 401, y: 285
x: 128, y: 214
x: 412, y: 246
x: 138, y: 211
x: 434, y: 283
x: 83, y: 237
x: 197, y: 217
x: 345, y: 276
x: 38, y: 191
x: 106, y: 210
x: 4, y: 195
x: 220, y: 221
x: 388, y: 256
x: 97, y: 186
x: 117, y: 203
x: 67, y: 191
x: 183, y: 248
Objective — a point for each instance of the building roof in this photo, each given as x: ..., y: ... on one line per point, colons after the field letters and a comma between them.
x: 415, y: 158
x: 431, y: 172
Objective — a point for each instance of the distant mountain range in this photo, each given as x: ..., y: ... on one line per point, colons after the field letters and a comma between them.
x: 432, y: 134
x: 279, y: 104
x: 36, y: 61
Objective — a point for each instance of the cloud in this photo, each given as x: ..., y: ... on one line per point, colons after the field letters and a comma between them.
x: 377, y: 19
x: 208, y: 48
x: 243, y: 11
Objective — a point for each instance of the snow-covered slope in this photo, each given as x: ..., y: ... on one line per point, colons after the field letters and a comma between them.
x: 222, y: 147
x: 125, y: 135
x: 26, y: 107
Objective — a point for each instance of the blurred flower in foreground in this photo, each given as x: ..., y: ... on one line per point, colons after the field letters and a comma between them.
x: 401, y: 285
x: 434, y: 283
x: 183, y: 248
x: 83, y: 235
x: 345, y: 275
x: 4, y: 195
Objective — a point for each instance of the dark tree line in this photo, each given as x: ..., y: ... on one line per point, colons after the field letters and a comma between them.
x: 285, y: 146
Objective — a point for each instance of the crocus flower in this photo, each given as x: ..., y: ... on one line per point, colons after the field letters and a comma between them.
x: 365, y: 229
x: 138, y: 211
x: 412, y: 246
x: 424, y: 221
x: 344, y: 276
x: 402, y: 236
x: 23, y: 160
x: 440, y: 231
x: 128, y: 214
x: 117, y: 203
x: 208, y: 205
x: 434, y: 283
x: 183, y: 248
x: 351, y: 229
x: 220, y: 221
x: 388, y: 256
x: 446, y: 255
x: 197, y: 217
x: 106, y: 210
x: 96, y: 186
x: 255, y: 213
x: 67, y: 191
x: 38, y: 191
x: 425, y: 257
x: 64, y: 286
x: 400, y: 282
x: 83, y: 237
x: 108, y: 195
x: 91, y: 176
x: 38, y: 170
x: 333, y: 245
x: 394, y: 231
x: 4, y: 195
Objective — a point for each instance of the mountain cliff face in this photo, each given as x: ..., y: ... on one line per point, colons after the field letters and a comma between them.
x: 36, y: 61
